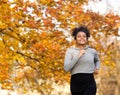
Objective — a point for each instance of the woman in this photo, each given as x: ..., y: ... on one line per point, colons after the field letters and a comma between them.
x: 82, y: 61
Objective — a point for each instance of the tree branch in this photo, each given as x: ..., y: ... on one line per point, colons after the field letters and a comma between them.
x: 8, y: 34
x: 28, y: 56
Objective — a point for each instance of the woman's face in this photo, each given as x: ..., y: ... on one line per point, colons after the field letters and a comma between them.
x: 81, y: 38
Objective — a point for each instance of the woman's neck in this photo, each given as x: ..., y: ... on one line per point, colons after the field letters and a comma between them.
x: 80, y: 46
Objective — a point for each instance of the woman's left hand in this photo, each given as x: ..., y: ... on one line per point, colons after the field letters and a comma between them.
x: 96, y: 71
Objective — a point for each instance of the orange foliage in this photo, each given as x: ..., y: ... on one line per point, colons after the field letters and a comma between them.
x: 35, y: 34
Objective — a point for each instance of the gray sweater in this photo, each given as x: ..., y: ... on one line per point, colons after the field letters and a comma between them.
x: 84, y: 64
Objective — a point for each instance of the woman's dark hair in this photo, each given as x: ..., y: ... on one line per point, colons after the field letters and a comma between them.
x: 80, y: 29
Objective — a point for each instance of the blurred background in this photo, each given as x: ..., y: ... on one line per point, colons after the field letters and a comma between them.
x: 34, y: 35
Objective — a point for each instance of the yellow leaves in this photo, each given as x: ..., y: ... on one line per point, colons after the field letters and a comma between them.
x: 72, y: 26
x: 5, y: 12
x: 48, y: 47
x: 45, y: 2
x: 2, y: 25
x: 4, y: 1
x: 4, y: 71
x: 107, y: 62
x: 5, y: 66
x: 7, y: 85
x: 48, y: 2
x: 45, y: 44
x: 112, y: 65
x: 25, y: 71
x: 20, y: 58
x: 32, y: 5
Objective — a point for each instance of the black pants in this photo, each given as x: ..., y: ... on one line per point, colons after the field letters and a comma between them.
x: 83, y: 84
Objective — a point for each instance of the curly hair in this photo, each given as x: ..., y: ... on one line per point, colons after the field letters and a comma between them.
x: 80, y: 29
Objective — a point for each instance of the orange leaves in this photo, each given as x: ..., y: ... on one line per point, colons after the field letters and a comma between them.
x: 45, y: 2
x: 32, y: 24
x: 25, y: 9
x: 32, y: 5
x: 25, y: 71
x: 48, y: 23
x: 3, y: 25
x: 5, y: 66
x: 50, y: 49
x: 4, y: 72
x: 7, y: 85
x: 33, y: 31
x: 51, y: 10
x: 5, y: 15
x: 48, y: 2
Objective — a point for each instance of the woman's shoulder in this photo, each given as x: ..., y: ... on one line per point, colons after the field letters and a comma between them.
x: 71, y: 48
x: 92, y: 49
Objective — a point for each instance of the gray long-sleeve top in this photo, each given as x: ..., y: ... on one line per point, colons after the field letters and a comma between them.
x: 87, y: 63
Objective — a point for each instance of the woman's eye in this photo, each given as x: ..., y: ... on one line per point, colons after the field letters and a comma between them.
x: 81, y: 36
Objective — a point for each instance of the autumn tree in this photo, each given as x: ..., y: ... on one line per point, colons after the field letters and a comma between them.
x: 35, y: 35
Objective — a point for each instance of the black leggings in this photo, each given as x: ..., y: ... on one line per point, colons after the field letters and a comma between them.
x: 83, y: 84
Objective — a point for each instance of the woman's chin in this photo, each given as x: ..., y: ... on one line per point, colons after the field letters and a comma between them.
x: 82, y: 43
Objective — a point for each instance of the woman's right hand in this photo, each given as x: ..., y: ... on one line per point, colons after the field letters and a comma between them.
x: 81, y: 53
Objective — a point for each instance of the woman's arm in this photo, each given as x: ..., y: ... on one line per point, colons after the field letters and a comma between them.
x: 97, y: 63
x: 70, y: 60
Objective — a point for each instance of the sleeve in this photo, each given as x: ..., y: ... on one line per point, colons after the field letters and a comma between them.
x: 96, y: 60
x: 70, y: 60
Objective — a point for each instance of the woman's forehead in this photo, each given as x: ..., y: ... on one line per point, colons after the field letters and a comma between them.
x: 81, y: 33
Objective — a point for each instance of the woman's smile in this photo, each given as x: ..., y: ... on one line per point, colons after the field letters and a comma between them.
x: 81, y: 38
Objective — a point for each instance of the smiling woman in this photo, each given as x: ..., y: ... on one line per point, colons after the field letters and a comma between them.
x: 83, y: 62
